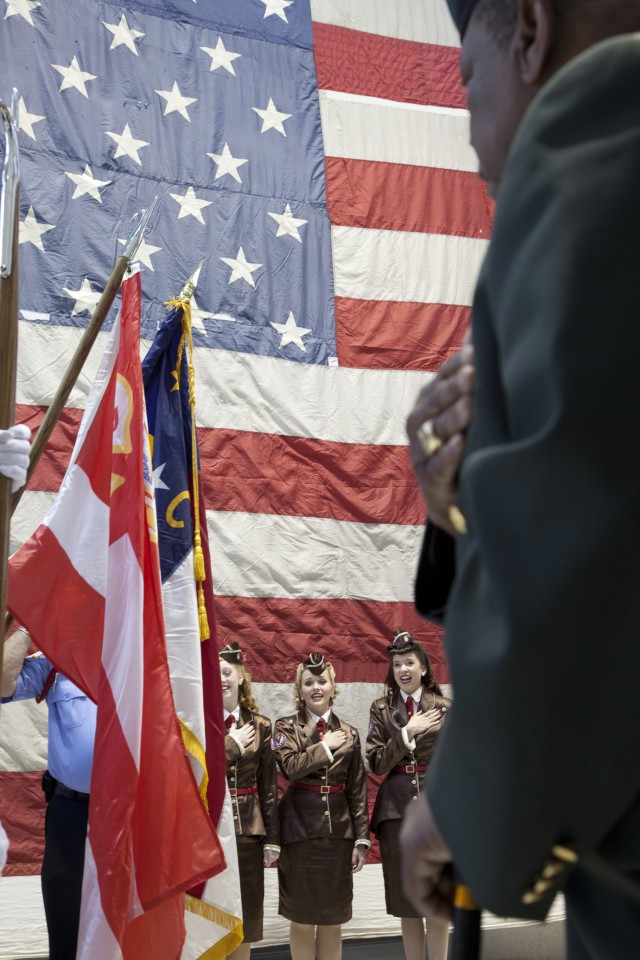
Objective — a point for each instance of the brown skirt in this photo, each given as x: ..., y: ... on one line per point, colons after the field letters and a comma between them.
x: 397, y: 903
x: 251, y: 886
x: 316, y: 882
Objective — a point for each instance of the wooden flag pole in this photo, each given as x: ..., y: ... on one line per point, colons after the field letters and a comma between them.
x: 9, y: 221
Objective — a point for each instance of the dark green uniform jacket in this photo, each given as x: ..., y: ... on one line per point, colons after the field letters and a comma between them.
x: 542, y: 745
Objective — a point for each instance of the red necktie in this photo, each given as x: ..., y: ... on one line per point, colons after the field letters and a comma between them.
x: 410, y: 708
x: 321, y: 727
x: 229, y: 722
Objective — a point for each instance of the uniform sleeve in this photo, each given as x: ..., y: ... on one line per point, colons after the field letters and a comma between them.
x: 542, y: 624
x: 383, y: 751
x: 268, y: 787
x: 295, y: 762
x: 356, y: 790
x: 31, y: 679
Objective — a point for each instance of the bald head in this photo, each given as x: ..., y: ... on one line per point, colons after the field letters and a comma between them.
x: 596, y: 19
x: 512, y: 48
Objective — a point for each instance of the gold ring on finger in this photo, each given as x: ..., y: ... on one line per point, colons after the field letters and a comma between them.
x: 429, y: 442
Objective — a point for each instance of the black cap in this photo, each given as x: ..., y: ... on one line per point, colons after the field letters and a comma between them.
x: 315, y: 664
x: 402, y: 642
x: 461, y: 11
x: 231, y: 653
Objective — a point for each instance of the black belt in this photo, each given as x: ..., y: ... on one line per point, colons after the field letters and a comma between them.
x: 61, y: 791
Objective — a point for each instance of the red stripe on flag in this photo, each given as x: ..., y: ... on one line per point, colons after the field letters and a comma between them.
x: 291, y: 476
x: 398, y: 336
x: 295, y: 476
x: 356, y: 632
x: 22, y: 809
x: 397, y: 196
x: 368, y: 64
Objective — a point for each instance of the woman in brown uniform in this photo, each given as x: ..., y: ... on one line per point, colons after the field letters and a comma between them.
x: 402, y: 732
x: 251, y: 775
x: 323, y: 814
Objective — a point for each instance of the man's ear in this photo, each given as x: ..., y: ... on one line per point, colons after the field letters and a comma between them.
x: 533, y: 39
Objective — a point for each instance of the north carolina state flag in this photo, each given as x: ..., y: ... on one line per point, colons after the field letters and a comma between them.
x: 87, y: 587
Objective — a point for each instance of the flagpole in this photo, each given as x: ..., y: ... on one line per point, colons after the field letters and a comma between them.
x: 86, y: 342
x: 9, y: 221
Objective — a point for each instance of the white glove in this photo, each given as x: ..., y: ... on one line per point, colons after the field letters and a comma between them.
x: 14, y: 454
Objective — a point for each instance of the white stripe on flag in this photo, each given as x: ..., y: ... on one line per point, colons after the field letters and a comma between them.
x: 381, y: 265
x: 81, y: 527
x: 361, y: 128
x: 261, y: 394
x: 95, y: 936
x: 123, y: 631
x: 402, y: 19
x: 260, y: 556
x: 183, y: 650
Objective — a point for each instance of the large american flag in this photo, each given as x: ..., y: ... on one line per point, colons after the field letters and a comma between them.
x: 316, y: 156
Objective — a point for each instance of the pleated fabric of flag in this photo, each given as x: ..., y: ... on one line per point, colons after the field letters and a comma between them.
x: 317, y: 156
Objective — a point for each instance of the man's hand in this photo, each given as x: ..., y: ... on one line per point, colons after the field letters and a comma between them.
x: 447, y: 401
x: 427, y: 871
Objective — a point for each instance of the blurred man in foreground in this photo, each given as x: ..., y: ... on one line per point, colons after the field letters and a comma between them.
x: 526, y: 448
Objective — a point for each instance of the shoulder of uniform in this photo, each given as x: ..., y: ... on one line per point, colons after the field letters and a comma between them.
x: 354, y: 733
x: 287, y: 721
x: 381, y: 703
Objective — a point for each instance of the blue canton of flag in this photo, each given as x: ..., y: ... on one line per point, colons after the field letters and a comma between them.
x: 219, y: 115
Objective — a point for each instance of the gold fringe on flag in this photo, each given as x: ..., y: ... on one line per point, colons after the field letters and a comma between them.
x: 227, y: 921
x: 193, y: 747
x: 198, y: 555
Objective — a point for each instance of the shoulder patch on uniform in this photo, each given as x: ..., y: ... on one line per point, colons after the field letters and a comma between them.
x: 277, y: 741
x: 371, y: 727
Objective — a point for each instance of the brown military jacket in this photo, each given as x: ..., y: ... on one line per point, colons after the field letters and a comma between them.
x: 254, y: 814
x: 386, y: 749
x: 302, y: 757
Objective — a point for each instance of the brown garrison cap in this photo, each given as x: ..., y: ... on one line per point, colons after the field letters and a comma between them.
x: 461, y: 11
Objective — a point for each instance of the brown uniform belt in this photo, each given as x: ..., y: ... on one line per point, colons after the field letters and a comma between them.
x: 242, y: 791
x: 317, y: 788
x: 409, y: 768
